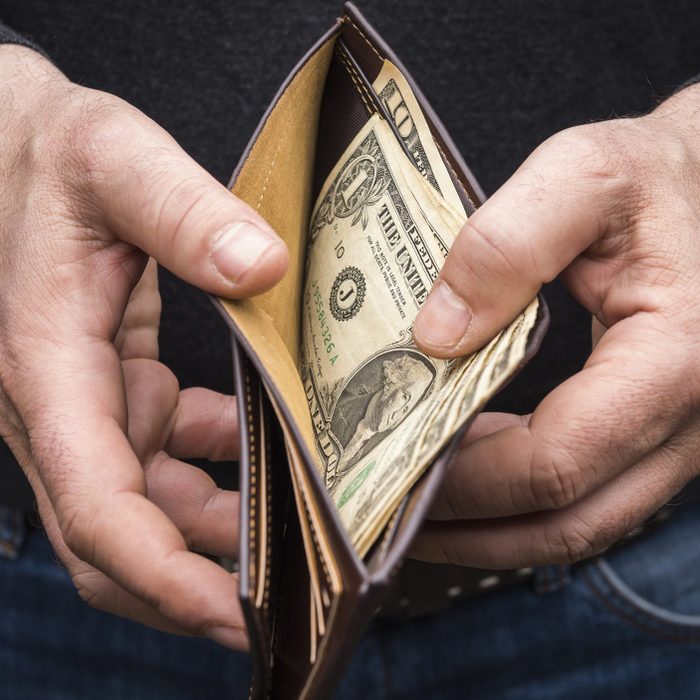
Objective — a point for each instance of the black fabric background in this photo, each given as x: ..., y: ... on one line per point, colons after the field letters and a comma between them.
x: 503, y: 75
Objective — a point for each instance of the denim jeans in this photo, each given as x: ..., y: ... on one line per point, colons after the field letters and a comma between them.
x: 626, y: 625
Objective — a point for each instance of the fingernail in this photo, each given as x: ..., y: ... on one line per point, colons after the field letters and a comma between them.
x: 238, y: 248
x: 230, y: 637
x: 444, y: 318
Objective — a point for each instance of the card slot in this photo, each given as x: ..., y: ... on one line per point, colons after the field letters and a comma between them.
x: 345, y: 109
x: 265, y: 509
x: 376, y: 104
x: 263, y: 513
x: 366, y: 52
x: 293, y: 636
x: 317, y: 527
x: 314, y: 558
x: 259, y: 629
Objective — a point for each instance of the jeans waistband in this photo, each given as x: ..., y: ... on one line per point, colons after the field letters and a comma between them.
x: 13, y: 529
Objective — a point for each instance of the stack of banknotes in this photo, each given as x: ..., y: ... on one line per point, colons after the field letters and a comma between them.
x: 379, y: 233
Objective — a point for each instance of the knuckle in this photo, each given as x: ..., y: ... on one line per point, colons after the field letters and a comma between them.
x: 453, y: 499
x: 569, y: 542
x: 164, y: 378
x: 228, y: 421
x: 599, y: 152
x: 137, y: 342
x: 78, y: 531
x: 174, y: 205
x: 555, y: 480
x: 155, y: 382
x: 486, y: 248
x: 143, y: 310
x: 194, y: 534
x: 452, y: 553
x: 89, y: 585
x: 169, y: 382
x: 97, y: 130
x: 188, y: 609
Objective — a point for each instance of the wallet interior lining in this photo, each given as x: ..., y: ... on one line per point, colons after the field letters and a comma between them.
x: 276, y: 180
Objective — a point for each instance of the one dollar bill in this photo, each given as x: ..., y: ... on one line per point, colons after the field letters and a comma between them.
x: 380, y: 231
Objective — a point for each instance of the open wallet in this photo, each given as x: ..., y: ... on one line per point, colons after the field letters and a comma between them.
x: 337, y: 471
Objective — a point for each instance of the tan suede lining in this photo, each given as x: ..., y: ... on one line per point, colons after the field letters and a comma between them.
x: 276, y: 179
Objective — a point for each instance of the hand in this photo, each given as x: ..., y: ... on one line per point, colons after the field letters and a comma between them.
x: 614, y: 208
x: 89, y: 188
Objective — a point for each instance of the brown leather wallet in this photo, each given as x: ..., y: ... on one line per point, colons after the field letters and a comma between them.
x: 306, y: 594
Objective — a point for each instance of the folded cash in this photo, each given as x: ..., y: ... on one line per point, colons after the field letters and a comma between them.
x: 380, y: 231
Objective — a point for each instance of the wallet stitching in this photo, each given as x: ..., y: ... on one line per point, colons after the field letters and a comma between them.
x: 263, y: 191
x: 316, y: 543
x: 362, y: 34
x: 253, y: 482
x: 268, y: 559
x: 252, y: 489
x: 268, y: 496
x: 359, y: 84
x: 361, y: 89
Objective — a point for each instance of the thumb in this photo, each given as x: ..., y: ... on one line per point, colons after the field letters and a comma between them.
x: 151, y: 194
x: 558, y: 203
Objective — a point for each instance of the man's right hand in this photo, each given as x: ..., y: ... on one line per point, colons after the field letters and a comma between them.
x: 89, y: 188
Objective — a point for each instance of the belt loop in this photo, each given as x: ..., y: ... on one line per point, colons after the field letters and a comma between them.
x: 549, y: 579
x: 13, y: 529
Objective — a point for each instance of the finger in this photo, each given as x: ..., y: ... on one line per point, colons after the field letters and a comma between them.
x: 100, y: 592
x: 589, y: 429
x: 92, y: 585
x: 150, y: 193
x: 562, y: 537
x: 444, y: 505
x: 206, y: 515
x: 138, y: 332
x: 193, y: 423
x: 561, y: 200
x: 206, y: 426
x: 491, y: 422
x: 97, y: 490
x: 152, y: 394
